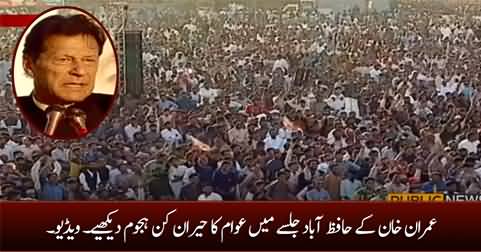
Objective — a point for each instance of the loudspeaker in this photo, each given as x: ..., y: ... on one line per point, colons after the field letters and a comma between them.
x: 132, y: 59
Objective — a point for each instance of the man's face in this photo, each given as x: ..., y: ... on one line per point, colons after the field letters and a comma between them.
x: 38, y: 142
x: 203, y: 161
x: 226, y: 167
x: 371, y: 184
x: 436, y: 178
x: 239, y: 125
x: 338, y: 91
x: 153, y: 128
x: 27, y: 142
x: 195, y: 179
x: 339, y: 156
x: 284, y: 177
x: 65, y: 71
x: 3, y: 141
x: 273, y: 132
x: 473, y: 137
x: 207, y: 189
x: 452, y: 188
x: 313, y: 164
x: 123, y: 168
x: 53, y: 178
x: 139, y: 137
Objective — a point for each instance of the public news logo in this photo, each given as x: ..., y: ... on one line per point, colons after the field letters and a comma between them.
x: 432, y: 197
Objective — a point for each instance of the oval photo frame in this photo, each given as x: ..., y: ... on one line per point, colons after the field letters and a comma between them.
x: 72, y: 103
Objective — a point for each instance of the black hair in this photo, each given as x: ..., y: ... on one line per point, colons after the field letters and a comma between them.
x: 61, y: 25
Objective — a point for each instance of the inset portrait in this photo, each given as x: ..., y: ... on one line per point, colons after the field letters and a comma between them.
x: 65, y: 73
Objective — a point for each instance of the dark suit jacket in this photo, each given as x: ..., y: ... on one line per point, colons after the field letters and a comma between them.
x: 96, y: 106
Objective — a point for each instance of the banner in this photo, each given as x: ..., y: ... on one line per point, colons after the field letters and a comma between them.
x: 17, y: 20
x: 239, y: 226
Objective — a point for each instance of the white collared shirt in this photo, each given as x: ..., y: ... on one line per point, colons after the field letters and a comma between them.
x: 285, y: 133
x: 35, y: 173
x: 9, y: 149
x: 336, y: 102
x: 5, y: 151
x: 171, y: 135
x: 83, y: 180
x: 44, y: 106
x: 11, y: 128
x: 27, y: 151
x: 277, y: 143
x: 238, y: 135
x: 471, y: 147
x: 348, y: 188
x: 40, y: 105
x: 211, y: 197
x: 130, y: 131
x: 59, y: 154
x: 280, y: 63
x: 208, y: 95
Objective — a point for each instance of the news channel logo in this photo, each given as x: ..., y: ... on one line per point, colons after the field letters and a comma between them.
x: 433, y: 197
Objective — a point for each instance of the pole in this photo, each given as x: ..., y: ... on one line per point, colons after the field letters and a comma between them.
x: 124, y: 77
x: 255, y: 11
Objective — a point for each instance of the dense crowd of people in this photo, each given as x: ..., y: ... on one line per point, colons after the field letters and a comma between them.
x: 255, y: 106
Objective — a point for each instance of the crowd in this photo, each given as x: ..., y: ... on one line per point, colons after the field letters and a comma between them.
x: 243, y: 106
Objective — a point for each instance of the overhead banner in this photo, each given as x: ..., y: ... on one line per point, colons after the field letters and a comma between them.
x: 17, y: 20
